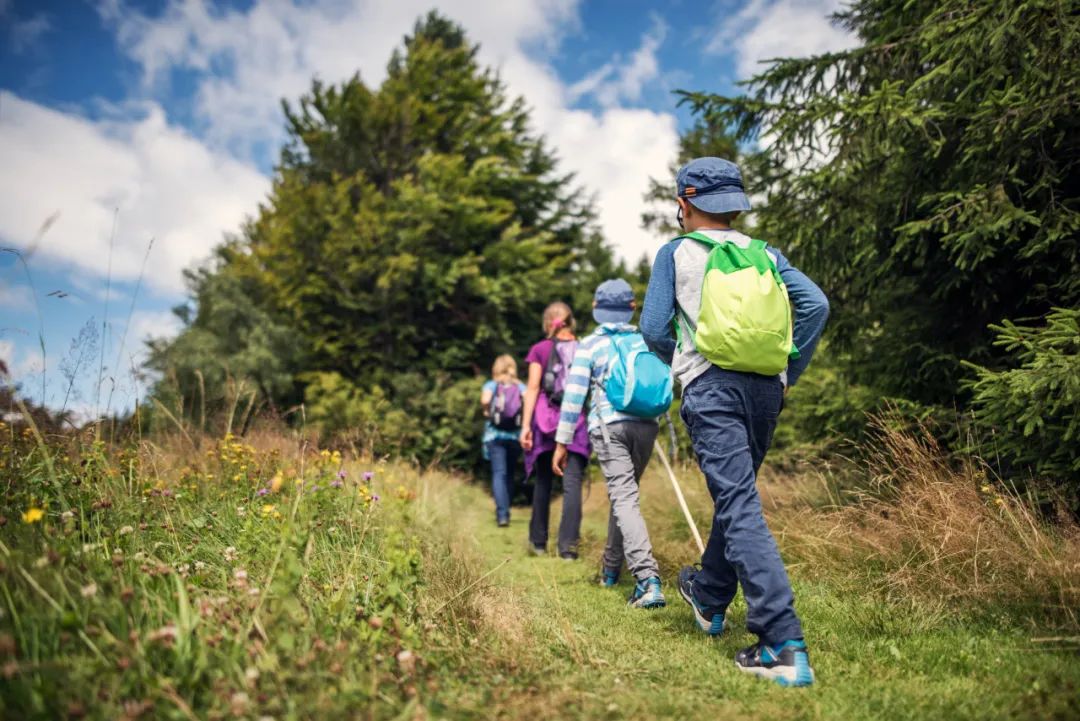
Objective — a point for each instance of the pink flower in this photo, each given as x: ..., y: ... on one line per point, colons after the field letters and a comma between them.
x: 367, y: 475
x: 341, y: 474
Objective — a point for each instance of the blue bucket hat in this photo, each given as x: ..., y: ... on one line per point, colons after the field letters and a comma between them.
x: 614, y: 301
x: 713, y: 185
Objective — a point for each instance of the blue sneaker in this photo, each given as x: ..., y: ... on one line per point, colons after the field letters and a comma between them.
x: 709, y: 620
x: 647, y: 594
x: 608, y: 578
x: 788, y: 664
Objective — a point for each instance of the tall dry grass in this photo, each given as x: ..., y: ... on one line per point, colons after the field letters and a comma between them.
x: 909, y: 523
x: 935, y: 528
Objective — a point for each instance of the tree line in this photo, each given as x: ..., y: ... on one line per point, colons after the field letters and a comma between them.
x: 927, y: 178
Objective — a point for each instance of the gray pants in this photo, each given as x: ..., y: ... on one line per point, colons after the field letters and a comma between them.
x: 622, y: 462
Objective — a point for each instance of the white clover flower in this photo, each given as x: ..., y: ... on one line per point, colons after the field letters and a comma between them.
x: 124, y: 530
x: 89, y: 590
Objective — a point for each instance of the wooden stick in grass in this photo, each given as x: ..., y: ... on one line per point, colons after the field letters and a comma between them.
x: 679, y: 495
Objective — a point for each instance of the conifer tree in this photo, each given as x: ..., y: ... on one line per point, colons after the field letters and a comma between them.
x: 929, y: 178
x: 414, y: 231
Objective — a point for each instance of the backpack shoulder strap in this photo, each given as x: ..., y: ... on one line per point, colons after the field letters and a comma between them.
x: 699, y: 237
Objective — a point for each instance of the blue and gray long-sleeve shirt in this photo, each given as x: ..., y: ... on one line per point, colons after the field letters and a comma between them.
x: 590, y: 368
x: 675, y: 285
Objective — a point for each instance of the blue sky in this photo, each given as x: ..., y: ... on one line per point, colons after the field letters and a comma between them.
x: 134, y: 135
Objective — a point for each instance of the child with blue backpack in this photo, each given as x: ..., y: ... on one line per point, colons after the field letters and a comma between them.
x: 735, y: 350
x: 628, y: 388
x: 502, y: 400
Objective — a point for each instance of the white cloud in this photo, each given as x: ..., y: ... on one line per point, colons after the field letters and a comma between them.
x: 615, y: 154
x: 767, y: 29
x: 157, y: 180
x: 186, y: 190
x: 621, y: 79
x: 16, y: 298
x: 254, y: 57
x: 23, y: 34
x: 247, y: 60
x: 146, y: 325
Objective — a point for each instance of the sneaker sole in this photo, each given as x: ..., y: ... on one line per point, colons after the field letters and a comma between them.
x: 656, y: 603
x: 789, y: 676
x: 704, y: 624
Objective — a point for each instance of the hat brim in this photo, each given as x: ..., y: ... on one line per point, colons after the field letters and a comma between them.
x: 612, y: 315
x: 721, y: 202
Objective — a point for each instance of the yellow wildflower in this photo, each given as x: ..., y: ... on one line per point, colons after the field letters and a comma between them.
x: 33, y: 515
x: 275, y: 482
x: 268, y: 509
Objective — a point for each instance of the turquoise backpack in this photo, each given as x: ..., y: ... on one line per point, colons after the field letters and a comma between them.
x: 638, y: 382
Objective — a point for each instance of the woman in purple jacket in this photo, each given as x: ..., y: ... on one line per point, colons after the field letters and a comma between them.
x: 549, y: 364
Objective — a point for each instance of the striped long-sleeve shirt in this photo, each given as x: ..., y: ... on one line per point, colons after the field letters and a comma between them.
x: 589, y: 369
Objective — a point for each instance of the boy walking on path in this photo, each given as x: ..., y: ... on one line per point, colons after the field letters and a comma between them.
x: 623, y: 444
x: 734, y: 353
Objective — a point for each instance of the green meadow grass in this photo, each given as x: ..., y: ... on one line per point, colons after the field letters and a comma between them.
x: 221, y: 580
x: 874, y: 659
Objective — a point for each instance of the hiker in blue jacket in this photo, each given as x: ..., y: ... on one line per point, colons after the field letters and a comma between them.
x: 731, y: 414
x: 502, y: 399
x: 623, y: 441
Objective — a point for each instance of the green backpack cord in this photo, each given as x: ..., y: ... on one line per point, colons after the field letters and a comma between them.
x: 745, y: 321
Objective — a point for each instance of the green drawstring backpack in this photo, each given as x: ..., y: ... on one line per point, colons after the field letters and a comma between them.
x: 745, y: 319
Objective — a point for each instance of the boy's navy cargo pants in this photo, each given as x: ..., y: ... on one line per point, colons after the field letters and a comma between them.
x: 731, y: 417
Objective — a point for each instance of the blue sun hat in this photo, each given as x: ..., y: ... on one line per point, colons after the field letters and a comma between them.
x: 614, y: 301
x: 713, y: 185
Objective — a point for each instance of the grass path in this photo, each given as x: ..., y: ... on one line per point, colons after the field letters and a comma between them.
x: 578, y: 651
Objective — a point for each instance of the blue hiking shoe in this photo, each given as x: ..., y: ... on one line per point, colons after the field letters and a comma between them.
x: 787, y: 664
x: 647, y: 594
x: 708, y: 620
x: 608, y: 578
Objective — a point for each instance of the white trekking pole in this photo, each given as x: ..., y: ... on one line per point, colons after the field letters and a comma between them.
x: 679, y: 495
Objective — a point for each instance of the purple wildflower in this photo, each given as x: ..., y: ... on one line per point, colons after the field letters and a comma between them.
x: 314, y: 489
x: 336, y: 484
x: 368, y: 475
x: 375, y: 497
x: 341, y: 474
x: 262, y: 492
x: 167, y: 493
